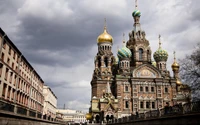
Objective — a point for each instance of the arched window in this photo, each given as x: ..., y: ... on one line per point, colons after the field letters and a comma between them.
x: 132, y: 57
x: 140, y: 54
x: 99, y: 61
x: 106, y: 62
x: 160, y: 66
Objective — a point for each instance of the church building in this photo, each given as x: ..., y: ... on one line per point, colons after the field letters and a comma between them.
x: 131, y: 82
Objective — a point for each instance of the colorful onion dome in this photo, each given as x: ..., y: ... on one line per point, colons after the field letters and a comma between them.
x: 136, y: 13
x: 124, y: 52
x: 104, y: 37
x: 154, y: 63
x: 116, y: 60
x: 160, y: 55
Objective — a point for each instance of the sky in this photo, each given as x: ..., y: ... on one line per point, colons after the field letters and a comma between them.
x: 58, y: 37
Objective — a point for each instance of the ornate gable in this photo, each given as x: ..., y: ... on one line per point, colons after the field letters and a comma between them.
x: 146, y: 71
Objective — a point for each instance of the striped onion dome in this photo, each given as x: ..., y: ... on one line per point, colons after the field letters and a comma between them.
x: 124, y: 52
x: 136, y: 13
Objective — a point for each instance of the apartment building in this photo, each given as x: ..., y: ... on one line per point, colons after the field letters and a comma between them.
x: 20, y: 85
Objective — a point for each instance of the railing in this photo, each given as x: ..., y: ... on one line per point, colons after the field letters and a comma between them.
x: 21, y: 110
x: 193, y: 107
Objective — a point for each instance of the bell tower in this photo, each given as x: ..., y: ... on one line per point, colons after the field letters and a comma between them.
x: 137, y: 43
x: 103, y: 63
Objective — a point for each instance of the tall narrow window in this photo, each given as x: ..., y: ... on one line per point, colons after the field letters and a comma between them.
x: 147, y: 88
x: 152, y: 89
x: 147, y: 105
x: 126, y: 104
x: 141, y: 105
x: 153, y: 105
x: 140, y: 54
x: 126, y: 88
x: 166, y: 89
x: 106, y: 62
x: 141, y: 89
x: 4, y: 89
x: 132, y: 57
x: 99, y: 62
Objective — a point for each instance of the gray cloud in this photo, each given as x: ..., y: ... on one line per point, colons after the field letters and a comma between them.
x: 59, y: 37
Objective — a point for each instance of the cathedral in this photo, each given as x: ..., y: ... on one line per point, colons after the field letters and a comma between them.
x: 131, y: 82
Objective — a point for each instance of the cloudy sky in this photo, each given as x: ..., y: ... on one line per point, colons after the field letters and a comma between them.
x: 58, y: 37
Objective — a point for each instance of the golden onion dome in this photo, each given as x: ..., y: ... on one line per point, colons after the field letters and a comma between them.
x: 88, y: 116
x: 175, y: 65
x: 178, y: 82
x: 104, y: 37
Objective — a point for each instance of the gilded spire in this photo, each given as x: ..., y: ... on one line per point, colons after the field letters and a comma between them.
x: 105, y: 25
x: 104, y: 37
x: 136, y: 5
x: 159, y: 40
x: 124, y: 39
x: 174, y: 56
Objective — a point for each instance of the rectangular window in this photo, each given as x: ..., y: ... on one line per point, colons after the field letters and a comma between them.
x: 147, y: 88
x: 153, y: 105
x: 2, y: 57
x: 141, y: 89
x: 9, y: 52
x: 6, y: 74
x: 4, y: 89
x: 152, y: 89
x: 141, y: 105
x: 126, y: 104
x: 166, y: 89
x: 126, y: 88
x: 147, y: 105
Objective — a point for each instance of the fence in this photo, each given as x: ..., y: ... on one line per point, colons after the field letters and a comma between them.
x: 193, y: 107
x: 21, y: 110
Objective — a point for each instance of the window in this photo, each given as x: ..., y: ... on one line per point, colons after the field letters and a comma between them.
x: 2, y: 57
x: 126, y: 88
x: 153, y: 105
x: 140, y: 54
x: 147, y: 105
x: 147, y: 88
x: 9, y: 52
x: 141, y: 105
x: 4, y: 89
x: 106, y: 62
x: 141, y: 89
x: 152, y: 89
x: 126, y: 104
x: 166, y: 89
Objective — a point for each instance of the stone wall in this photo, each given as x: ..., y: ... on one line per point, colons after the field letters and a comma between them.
x: 187, y: 119
x: 8, y: 119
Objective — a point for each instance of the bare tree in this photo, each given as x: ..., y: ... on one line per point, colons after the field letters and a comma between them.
x: 190, y: 72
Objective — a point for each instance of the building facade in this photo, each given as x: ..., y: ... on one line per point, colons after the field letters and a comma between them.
x: 20, y: 84
x: 50, y: 103
x: 131, y: 82
x: 72, y: 116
